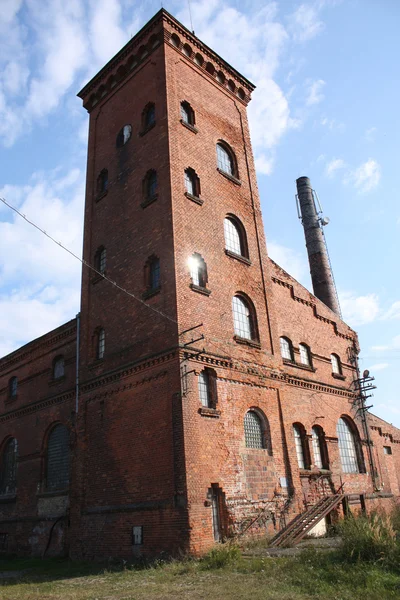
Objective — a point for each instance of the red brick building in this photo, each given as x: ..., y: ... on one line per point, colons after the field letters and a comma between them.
x: 208, y: 392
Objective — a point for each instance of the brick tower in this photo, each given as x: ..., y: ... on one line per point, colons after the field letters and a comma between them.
x: 173, y: 216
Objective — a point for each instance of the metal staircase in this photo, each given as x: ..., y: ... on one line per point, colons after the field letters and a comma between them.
x: 302, y: 523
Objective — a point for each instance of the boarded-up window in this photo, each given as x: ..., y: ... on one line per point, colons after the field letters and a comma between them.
x: 57, y: 472
x: 8, y: 475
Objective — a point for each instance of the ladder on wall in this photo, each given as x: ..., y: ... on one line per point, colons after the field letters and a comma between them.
x: 302, y: 523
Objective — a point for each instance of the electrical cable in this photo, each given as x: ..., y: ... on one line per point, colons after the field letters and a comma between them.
x: 86, y: 264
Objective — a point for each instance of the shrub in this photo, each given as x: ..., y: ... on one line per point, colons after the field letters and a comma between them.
x: 221, y: 556
x: 368, y: 538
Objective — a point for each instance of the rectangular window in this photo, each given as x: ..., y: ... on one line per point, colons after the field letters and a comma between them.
x: 387, y: 450
x: 3, y: 542
x: 137, y: 535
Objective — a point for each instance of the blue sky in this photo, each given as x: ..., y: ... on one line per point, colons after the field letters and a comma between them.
x: 326, y: 106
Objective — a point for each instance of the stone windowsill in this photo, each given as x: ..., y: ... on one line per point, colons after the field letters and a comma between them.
x: 58, y: 380
x: 195, y: 199
x: 200, y: 289
x: 205, y: 411
x: 96, y: 277
x: 147, y: 129
x: 239, y: 257
x: 148, y: 201
x: 11, y: 399
x: 338, y: 376
x: 8, y: 498
x: 101, y: 195
x: 189, y: 126
x: 151, y: 292
x: 53, y: 493
x: 246, y: 342
x: 292, y: 363
x: 230, y: 177
x: 315, y: 472
x: 96, y: 363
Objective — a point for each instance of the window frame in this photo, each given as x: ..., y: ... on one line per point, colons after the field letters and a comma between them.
x: 350, y: 450
x: 187, y: 116
x: 336, y: 364
x: 150, y: 187
x: 56, y: 361
x: 152, y: 266
x: 198, y: 273
x: 191, y: 176
x: 248, y: 434
x: 122, y: 136
x: 100, y: 343
x: 8, y: 462
x: 286, y: 349
x: 13, y: 388
x: 307, y: 353
x: 318, y: 441
x: 227, y: 152
x: 146, y: 125
x: 254, y: 338
x: 237, y: 225
x: 102, y: 183
x: 301, y: 446
x: 54, y: 488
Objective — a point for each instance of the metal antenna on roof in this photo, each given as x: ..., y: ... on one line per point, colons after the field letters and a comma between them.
x: 190, y: 16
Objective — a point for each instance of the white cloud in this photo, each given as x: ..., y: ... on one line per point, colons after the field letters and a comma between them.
x: 304, y: 23
x: 394, y: 345
x: 333, y: 166
x: 378, y: 367
x: 359, y: 310
x: 393, y: 312
x: 40, y: 281
x: 366, y: 177
x: 254, y: 43
x: 332, y: 124
x: 292, y: 262
x: 314, y: 93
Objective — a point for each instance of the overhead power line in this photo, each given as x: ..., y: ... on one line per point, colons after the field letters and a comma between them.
x: 86, y: 264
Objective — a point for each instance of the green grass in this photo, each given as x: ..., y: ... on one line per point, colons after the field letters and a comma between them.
x: 222, y: 574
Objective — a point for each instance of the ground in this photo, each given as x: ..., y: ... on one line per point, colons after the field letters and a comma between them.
x: 229, y: 575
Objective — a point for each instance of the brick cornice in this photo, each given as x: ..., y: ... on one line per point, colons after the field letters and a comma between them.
x: 314, y: 308
x: 36, y: 406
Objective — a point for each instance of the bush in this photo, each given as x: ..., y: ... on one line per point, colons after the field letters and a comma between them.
x: 221, y: 556
x: 369, y: 538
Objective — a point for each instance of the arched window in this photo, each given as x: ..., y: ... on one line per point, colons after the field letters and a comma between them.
x: 253, y: 430
x: 152, y: 275
x: 349, y: 449
x: 320, y: 451
x: 13, y: 387
x: 235, y: 237
x: 336, y: 365
x: 187, y: 114
x: 8, y: 474
x: 100, y: 260
x: 192, y: 183
x: 305, y: 355
x: 286, y: 349
x: 58, y: 367
x: 244, y: 318
x: 148, y: 117
x: 57, y: 459
x: 301, y: 443
x: 198, y: 270
x: 150, y: 185
x: 100, y: 344
x: 226, y: 160
x: 102, y: 182
x: 124, y: 135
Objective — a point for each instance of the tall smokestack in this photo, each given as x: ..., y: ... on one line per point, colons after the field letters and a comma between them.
x: 321, y: 274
